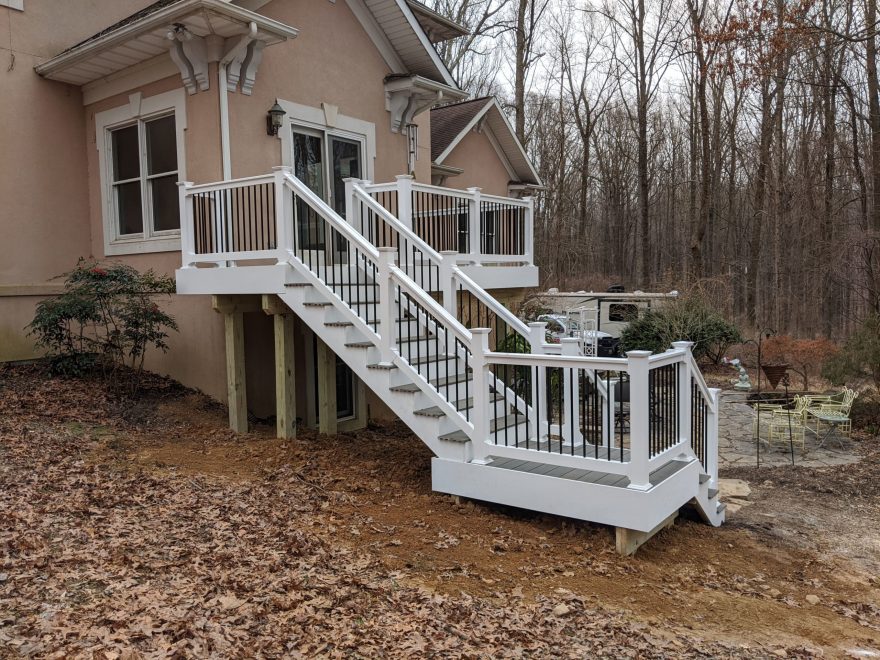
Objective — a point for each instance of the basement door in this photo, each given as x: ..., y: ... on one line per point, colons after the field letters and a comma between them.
x: 323, y: 161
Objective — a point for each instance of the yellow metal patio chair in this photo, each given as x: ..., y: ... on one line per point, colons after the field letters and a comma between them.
x: 789, y: 425
x: 837, y: 406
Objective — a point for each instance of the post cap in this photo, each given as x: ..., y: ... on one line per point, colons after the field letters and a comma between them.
x: 638, y: 354
x: 682, y: 344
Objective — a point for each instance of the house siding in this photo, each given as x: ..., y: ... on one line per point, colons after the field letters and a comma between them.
x: 482, y: 166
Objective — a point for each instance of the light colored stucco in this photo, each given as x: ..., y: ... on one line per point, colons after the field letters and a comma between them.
x: 481, y: 164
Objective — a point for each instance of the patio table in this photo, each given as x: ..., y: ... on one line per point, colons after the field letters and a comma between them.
x: 833, y: 420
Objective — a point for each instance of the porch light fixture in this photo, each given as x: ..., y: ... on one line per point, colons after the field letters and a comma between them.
x: 274, y: 119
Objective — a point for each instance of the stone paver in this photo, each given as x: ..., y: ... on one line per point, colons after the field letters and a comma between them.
x: 737, y: 446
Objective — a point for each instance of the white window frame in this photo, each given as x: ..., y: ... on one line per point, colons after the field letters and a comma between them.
x: 329, y: 122
x: 137, y: 110
x: 13, y: 4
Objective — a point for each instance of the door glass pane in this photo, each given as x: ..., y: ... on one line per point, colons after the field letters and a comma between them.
x: 344, y: 390
x: 346, y: 156
x: 308, y: 167
x: 166, y: 203
x: 128, y: 208
x: 161, y: 145
x: 126, y: 153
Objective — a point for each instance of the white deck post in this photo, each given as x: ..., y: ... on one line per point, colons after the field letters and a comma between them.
x: 712, y: 437
x: 187, y: 228
x: 475, y: 225
x: 283, y: 215
x: 404, y: 200
x: 571, y: 389
x: 447, y: 281
x: 385, y: 327
x: 480, y: 415
x: 639, y: 368
x: 352, y: 217
x: 530, y: 231
x: 684, y: 391
x: 538, y: 332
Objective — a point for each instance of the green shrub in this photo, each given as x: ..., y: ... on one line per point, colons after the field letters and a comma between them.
x: 860, y: 355
x: 686, y: 319
x: 106, y: 319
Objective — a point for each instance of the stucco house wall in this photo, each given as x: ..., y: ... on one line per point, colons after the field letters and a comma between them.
x: 481, y: 163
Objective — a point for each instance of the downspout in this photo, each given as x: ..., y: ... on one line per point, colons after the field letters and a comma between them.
x: 224, y: 120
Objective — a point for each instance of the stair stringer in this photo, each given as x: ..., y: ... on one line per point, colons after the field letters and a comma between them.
x: 403, y: 404
x: 709, y: 505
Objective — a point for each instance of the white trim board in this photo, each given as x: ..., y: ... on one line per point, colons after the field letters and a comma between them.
x: 377, y: 35
x: 137, y: 107
x: 13, y: 4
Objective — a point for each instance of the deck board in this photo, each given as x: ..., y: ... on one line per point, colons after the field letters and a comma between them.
x: 580, y: 474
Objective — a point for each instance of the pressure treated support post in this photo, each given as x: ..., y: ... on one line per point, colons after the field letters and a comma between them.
x: 285, y: 366
x: 236, y: 390
x: 639, y: 367
x: 326, y: 389
x: 627, y: 541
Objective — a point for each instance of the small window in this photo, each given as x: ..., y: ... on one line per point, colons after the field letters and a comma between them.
x: 144, y: 178
x: 621, y: 313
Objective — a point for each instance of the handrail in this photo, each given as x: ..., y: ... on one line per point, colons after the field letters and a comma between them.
x: 498, y: 199
x: 436, y: 309
x: 500, y: 310
x: 701, y: 384
x: 392, y: 220
x: 331, y: 216
x: 440, y: 190
x: 558, y: 361
x: 227, y: 185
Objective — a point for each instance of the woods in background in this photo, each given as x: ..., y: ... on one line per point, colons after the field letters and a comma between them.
x: 730, y: 143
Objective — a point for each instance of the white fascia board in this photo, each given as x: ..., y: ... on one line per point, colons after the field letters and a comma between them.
x: 377, y: 35
x: 160, y: 19
x: 426, y: 43
x: 467, y: 129
x: 516, y: 141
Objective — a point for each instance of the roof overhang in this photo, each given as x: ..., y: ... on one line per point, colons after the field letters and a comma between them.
x: 445, y: 170
x: 436, y: 26
x: 406, y: 96
x: 503, y: 138
x: 192, y: 32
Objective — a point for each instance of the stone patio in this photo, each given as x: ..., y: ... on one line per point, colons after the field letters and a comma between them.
x: 736, y: 441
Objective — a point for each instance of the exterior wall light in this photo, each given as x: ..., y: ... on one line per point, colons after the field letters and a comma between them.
x: 274, y: 119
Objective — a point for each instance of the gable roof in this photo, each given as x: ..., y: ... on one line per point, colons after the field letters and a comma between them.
x: 451, y: 123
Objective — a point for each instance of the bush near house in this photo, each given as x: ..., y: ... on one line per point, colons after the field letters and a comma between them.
x: 805, y: 357
x: 686, y: 319
x: 106, y: 320
x: 860, y: 355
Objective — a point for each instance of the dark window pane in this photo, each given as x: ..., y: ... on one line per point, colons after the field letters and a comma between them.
x: 308, y: 162
x: 166, y: 204
x: 161, y: 145
x: 128, y: 207
x: 126, y: 161
x: 623, y: 313
x: 346, y: 164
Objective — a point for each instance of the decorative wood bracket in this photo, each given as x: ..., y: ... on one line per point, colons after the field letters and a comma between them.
x: 405, y: 98
x: 190, y: 54
x: 243, y: 60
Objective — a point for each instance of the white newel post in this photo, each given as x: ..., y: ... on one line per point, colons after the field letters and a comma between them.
x: 283, y: 215
x: 712, y: 438
x: 530, y: 230
x: 480, y: 417
x: 404, y: 200
x: 386, y: 326
x: 187, y: 230
x: 474, y: 226
x: 639, y: 367
x: 537, y: 335
x: 447, y: 281
x: 353, y: 216
x: 571, y: 387
x: 685, y: 377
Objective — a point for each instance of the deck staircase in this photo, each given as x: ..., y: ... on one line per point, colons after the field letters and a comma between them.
x: 509, y: 418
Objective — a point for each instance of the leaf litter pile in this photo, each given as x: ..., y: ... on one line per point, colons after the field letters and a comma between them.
x: 146, y: 529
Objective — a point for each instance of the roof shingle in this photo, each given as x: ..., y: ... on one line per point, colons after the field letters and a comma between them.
x: 448, y: 121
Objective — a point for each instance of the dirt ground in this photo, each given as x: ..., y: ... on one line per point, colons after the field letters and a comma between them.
x: 147, y: 529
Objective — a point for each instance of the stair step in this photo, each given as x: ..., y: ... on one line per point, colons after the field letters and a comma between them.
x: 713, y: 493
x: 455, y: 436
x: 360, y: 344
x: 436, y: 382
x: 430, y: 359
x: 704, y: 478
x: 721, y: 507
x: 382, y: 366
x: 463, y: 404
x: 291, y: 285
x: 508, y: 421
x: 323, y: 303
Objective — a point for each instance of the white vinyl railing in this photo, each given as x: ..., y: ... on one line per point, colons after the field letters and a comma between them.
x: 513, y: 398
x: 483, y: 229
